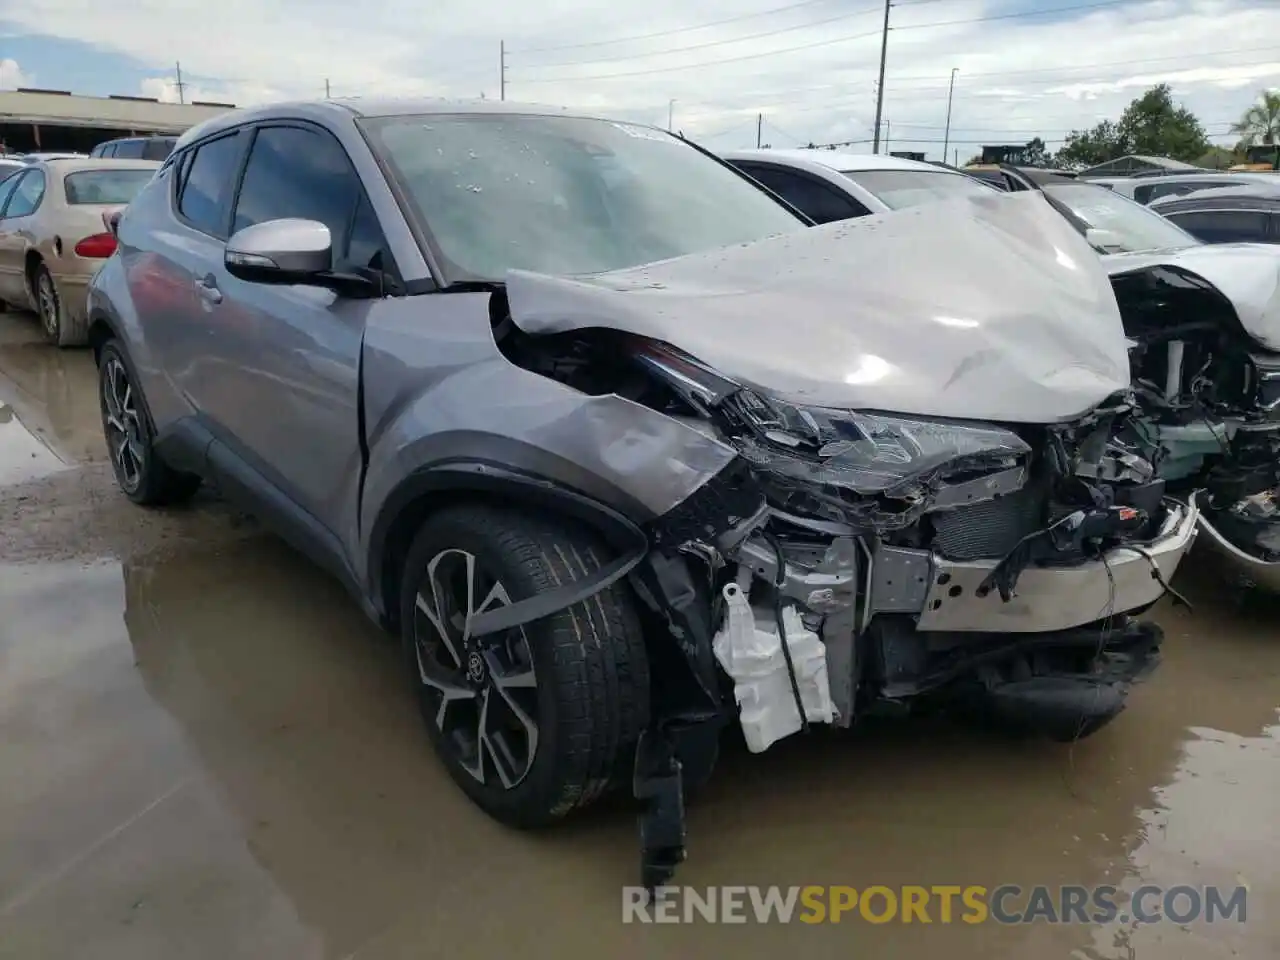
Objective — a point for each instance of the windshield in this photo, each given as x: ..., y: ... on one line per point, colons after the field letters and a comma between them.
x: 106, y: 186
x: 909, y: 188
x: 1114, y: 224
x: 566, y: 195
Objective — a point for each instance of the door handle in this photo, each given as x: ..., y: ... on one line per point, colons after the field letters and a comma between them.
x: 208, y: 288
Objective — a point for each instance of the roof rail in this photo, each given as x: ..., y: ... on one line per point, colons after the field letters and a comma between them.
x: 1167, y: 173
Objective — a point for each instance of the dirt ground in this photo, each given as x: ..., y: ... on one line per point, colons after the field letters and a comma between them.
x: 207, y: 752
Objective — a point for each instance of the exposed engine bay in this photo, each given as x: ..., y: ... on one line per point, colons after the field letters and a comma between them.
x: 853, y: 562
x: 1208, y: 397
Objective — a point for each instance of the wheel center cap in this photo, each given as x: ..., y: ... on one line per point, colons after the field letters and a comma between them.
x: 476, y: 669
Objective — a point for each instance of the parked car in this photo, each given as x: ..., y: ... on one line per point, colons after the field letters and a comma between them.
x: 136, y: 148
x: 29, y: 158
x: 1205, y: 355
x: 54, y: 235
x: 828, y: 185
x: 996, y: 174
x: 1145, y: 189
x: 1235, y: 214
x: 616, y: 445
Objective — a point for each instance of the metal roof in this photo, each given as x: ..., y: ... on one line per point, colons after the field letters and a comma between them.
x: 59, y: 108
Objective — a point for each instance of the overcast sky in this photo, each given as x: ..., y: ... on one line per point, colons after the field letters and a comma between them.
x: 1025, y: 68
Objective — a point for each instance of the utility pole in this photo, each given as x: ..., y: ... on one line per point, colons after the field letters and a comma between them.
x: 759, y: 125
x: 671, y: 106
x: 502, y: 69
x: 884, y: 52
x: 946, y: 137
x: 326, y: 88
x: 179, y: 84
x: 887, y: 131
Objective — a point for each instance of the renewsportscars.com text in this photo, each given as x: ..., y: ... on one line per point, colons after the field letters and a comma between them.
x: 945, y: 904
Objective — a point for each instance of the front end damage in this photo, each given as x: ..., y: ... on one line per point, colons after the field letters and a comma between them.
x: 848, y: 563
x: 1207, y: 381
x: 990, y: 551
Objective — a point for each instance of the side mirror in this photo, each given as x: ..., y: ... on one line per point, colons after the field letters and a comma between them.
x: 282, y: 252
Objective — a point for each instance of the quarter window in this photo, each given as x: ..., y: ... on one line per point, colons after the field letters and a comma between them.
x: 819, y: 203
x: 210, y: 182
x: 26, y: 195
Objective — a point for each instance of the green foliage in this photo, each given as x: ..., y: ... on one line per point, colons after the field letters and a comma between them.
x: 1152, y: 124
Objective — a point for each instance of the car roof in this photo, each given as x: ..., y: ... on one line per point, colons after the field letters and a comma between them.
x: 1264, y: 193
x: 80, y: 164
x: 833, y: 160
x: 360, y: 107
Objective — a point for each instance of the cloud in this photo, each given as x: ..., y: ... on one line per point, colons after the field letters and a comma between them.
x: 12, y: 77
x: 1019, y: 76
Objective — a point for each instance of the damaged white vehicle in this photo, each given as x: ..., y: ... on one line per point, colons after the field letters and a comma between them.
x: 1204, y: 323
x: 624, y: 451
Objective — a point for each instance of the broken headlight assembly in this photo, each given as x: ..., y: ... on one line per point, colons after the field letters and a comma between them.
x: 867, y: 453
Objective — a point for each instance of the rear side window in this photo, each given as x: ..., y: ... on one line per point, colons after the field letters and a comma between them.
x: 297, y: 172
x: 209, y: 183
x: 105, y: 186
x: 158, y: 149
x: 818, y: 202
x: 1224, y: 226
x: 27, y: 195
x: 6, y: 187
x: 128, y: 150
x: 897, y: 189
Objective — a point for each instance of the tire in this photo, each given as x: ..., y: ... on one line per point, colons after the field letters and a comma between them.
x: 48, y: 306
x: 140, y: 473
x: 589, y: 698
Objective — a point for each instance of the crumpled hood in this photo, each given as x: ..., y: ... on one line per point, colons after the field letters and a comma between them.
x: 985, y: 308
x: 1247, y: 274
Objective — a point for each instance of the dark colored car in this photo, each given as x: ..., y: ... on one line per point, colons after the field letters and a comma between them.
x: 1236, y: 214
x: 136, y: 148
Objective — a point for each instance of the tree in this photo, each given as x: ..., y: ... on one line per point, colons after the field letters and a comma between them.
x: 1084, y: 148
x: 1261, y: 122
x: 1036, y: 155
x: 1152, y: 124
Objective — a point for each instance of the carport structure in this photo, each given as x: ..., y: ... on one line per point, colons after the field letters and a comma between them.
x: 57, y: 120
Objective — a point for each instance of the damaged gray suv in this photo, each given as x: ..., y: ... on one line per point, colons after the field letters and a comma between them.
x: 625, y: 451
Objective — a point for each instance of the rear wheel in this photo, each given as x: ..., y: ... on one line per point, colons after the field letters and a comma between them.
x: 126, y: 424
x: 534, y: 722
x: 48, y: 305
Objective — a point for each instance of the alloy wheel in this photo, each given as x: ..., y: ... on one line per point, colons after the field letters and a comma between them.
x: 483, y: 689
x: 47, y: 303
x: 123, y: 425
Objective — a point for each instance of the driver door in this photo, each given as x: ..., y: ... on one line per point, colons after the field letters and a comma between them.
x: 286, y: 397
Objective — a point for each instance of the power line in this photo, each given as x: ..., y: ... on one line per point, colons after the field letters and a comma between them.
x: 827, y: 42
x: 1021, y: 13
x: 715, y: 43
x: 691, y: 66
x: 939, y: 83
x: 898, y: 94
x: 668, y: 33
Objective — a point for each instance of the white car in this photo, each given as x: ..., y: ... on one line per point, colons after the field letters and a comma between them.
x: 1145, y: 189
x: 828, y: 185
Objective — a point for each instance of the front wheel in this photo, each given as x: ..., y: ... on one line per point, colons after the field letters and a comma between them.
x: 537, y: 721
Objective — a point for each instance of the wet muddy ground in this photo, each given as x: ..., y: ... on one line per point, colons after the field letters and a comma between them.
x: 207, y: 752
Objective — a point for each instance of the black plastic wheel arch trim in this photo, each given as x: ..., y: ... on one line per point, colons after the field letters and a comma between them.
x: 620, y: 532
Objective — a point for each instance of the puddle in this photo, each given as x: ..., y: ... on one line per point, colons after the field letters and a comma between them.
x: 55, y: 392
x: 23, y: 456
x: 212, y: 754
